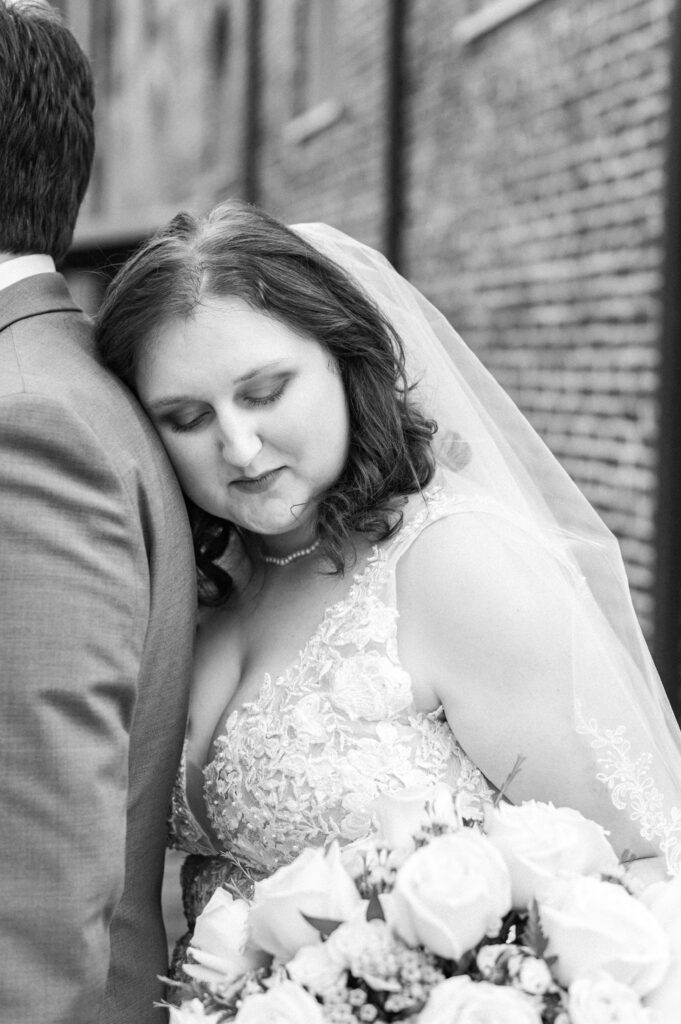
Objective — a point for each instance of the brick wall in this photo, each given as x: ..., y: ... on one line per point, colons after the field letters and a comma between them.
x: 336, y: 174
x: 535, y: 217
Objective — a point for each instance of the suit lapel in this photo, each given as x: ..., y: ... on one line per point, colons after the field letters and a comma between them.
x: 34, y: 296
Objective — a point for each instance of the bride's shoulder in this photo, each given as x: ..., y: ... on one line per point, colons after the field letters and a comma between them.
x: 451, y: 524
x: 471, y: 558
x: 481, y: 601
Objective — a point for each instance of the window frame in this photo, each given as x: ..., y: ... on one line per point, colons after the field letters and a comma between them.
x: 490, y: 16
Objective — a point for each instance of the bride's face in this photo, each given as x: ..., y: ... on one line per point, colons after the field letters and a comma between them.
x: 252, y: 414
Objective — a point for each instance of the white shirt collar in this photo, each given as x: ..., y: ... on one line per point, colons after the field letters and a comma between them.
x: 19, y: 267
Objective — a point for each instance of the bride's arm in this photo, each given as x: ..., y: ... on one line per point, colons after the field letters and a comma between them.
x: 489, y: 629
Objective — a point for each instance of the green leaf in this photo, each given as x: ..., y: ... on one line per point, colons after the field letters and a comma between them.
x: 508, y: 780
x: 533, y: 936
x: 375, y: 910
x: 324, y: 925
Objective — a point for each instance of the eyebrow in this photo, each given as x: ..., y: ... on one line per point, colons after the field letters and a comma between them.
x: 163, y: 403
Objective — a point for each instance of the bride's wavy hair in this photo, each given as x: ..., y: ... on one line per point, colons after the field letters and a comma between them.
x: 240, y: 251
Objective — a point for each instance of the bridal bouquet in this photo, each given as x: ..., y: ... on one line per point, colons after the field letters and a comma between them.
x: 526, y: 918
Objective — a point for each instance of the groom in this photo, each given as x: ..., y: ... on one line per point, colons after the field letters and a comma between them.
x: 96, y: 590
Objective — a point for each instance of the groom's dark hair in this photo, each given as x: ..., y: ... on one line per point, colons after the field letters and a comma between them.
x: 240, y: 251
x: 46, y: 129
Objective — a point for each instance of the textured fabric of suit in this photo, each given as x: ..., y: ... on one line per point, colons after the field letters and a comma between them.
x: 97, y: 611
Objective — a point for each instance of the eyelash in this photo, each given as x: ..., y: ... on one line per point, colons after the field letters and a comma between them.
x: 180, y: 428
x: 269, y: 398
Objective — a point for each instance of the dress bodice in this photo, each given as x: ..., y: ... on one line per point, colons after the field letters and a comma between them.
x: 303, y: 763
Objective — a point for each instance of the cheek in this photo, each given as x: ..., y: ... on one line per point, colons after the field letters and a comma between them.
x: 332, y: 434
x: 187, y: 461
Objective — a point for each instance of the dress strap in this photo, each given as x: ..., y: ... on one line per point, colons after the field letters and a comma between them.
x: 424, y: 509
x: 437, y: 503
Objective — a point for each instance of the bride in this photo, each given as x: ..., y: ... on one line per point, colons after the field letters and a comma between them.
x: 402, y: 584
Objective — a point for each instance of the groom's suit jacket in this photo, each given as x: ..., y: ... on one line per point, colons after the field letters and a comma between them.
x: 97, y: 610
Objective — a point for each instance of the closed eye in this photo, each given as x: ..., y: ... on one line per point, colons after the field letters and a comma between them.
x: 178, y: 424
x: 266, y: 399
x: 179, y: 427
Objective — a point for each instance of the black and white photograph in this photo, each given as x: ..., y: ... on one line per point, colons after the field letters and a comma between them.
x: 340, y: 511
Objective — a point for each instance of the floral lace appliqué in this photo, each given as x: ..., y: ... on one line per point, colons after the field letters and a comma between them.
x: 631, y: 786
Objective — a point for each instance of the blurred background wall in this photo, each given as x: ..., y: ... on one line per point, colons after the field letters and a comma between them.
x: 517, y: 159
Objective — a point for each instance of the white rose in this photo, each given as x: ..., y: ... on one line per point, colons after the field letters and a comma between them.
x: 541, y: 842
x: 285, y: 1003
x: 367, y: 851
x: 462, y: 1001
x: 451, y: 893
x: 599, y: 999
x: 219, y: 940
x: 400, y: 815
x: 315, y: 968
x: 664, y: 902
x: 192, y: 1012
x: 315, y: 884
x: 592, y: 924
x: 370, y: 687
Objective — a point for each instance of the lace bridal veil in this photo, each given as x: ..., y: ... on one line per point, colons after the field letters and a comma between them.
x: 486, y: 449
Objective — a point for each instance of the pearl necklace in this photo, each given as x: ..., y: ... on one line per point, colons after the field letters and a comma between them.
x: 285, y: 559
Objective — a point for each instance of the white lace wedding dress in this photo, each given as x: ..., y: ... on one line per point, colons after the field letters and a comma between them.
x: 302, y: 764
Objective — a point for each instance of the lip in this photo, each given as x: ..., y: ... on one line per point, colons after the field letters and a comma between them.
x: 257, y: 484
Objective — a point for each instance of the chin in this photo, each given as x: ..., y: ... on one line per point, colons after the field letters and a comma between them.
x: 261, y: 530
x: 275, y: 527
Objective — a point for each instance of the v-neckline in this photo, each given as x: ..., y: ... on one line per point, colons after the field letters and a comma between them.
x: 377, y: 562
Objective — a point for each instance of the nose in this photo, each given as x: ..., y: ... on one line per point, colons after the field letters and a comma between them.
x: 239, y: 440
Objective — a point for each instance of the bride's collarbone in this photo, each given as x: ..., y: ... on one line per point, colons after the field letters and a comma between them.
x: 287, y: 605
